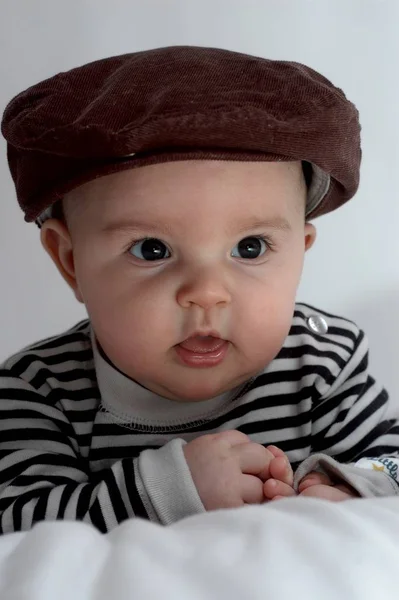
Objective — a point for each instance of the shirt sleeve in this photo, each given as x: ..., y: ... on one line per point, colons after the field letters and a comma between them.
x: 43, y: 476
x: 353, y: 441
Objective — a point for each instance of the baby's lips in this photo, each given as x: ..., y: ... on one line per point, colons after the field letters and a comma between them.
x: 202, y: 344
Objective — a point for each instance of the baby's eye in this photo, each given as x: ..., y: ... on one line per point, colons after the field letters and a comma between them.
x: 149, y: 249
x: 250, y: 247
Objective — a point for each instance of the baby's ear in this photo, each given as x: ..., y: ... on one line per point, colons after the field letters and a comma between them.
x: 57, y: 242
x: 310, y: 235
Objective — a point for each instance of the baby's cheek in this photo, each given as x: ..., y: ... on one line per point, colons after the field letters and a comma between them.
x: 136, y: 330
x: 265, y: 331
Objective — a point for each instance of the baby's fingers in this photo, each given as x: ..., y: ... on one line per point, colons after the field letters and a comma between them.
x: 275, y: 451
x: 280, y: 469
x: 274, y: 489
x: 326, y: 492
x: 312, y: 479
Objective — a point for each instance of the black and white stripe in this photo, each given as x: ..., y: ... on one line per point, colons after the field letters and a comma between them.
x: 63, y: 456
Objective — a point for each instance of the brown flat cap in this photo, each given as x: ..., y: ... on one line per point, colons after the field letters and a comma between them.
x: 179, y: 103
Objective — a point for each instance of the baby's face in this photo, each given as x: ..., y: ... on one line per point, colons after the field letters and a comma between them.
x: 208, y: 249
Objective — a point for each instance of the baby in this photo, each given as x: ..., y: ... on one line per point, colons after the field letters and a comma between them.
x: 174, y: 190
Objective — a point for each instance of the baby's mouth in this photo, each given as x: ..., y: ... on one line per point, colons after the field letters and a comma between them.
x: 202, y: 344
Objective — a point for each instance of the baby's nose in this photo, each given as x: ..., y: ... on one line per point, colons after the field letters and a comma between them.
x: 205, y: 289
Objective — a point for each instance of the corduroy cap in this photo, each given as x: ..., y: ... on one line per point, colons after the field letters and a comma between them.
x: 179, y: 103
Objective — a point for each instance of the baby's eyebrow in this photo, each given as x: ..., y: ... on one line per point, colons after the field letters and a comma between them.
x: 131, y: 226
x: 274, y: 223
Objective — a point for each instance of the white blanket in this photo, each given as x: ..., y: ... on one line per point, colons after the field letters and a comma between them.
x: 296, y: 548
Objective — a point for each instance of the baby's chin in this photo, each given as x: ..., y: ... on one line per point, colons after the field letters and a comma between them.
x: 201, y: 391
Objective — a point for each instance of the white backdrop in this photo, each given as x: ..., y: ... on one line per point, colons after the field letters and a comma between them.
x: 353, y: 268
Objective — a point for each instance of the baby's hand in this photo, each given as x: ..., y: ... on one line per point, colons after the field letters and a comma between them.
x: 281, y: 477
x: 319, y: 485
x: 228, y: 469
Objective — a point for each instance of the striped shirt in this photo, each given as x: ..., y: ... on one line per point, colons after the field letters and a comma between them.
x: 79, y: 440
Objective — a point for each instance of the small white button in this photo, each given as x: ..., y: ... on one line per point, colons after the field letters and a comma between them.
x: 317, y: 324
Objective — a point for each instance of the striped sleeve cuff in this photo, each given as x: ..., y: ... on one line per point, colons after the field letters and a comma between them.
x: 167, y: 482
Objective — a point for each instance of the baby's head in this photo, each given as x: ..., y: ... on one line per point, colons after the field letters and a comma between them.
x: 185, y: 205
x: 210, y: 249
